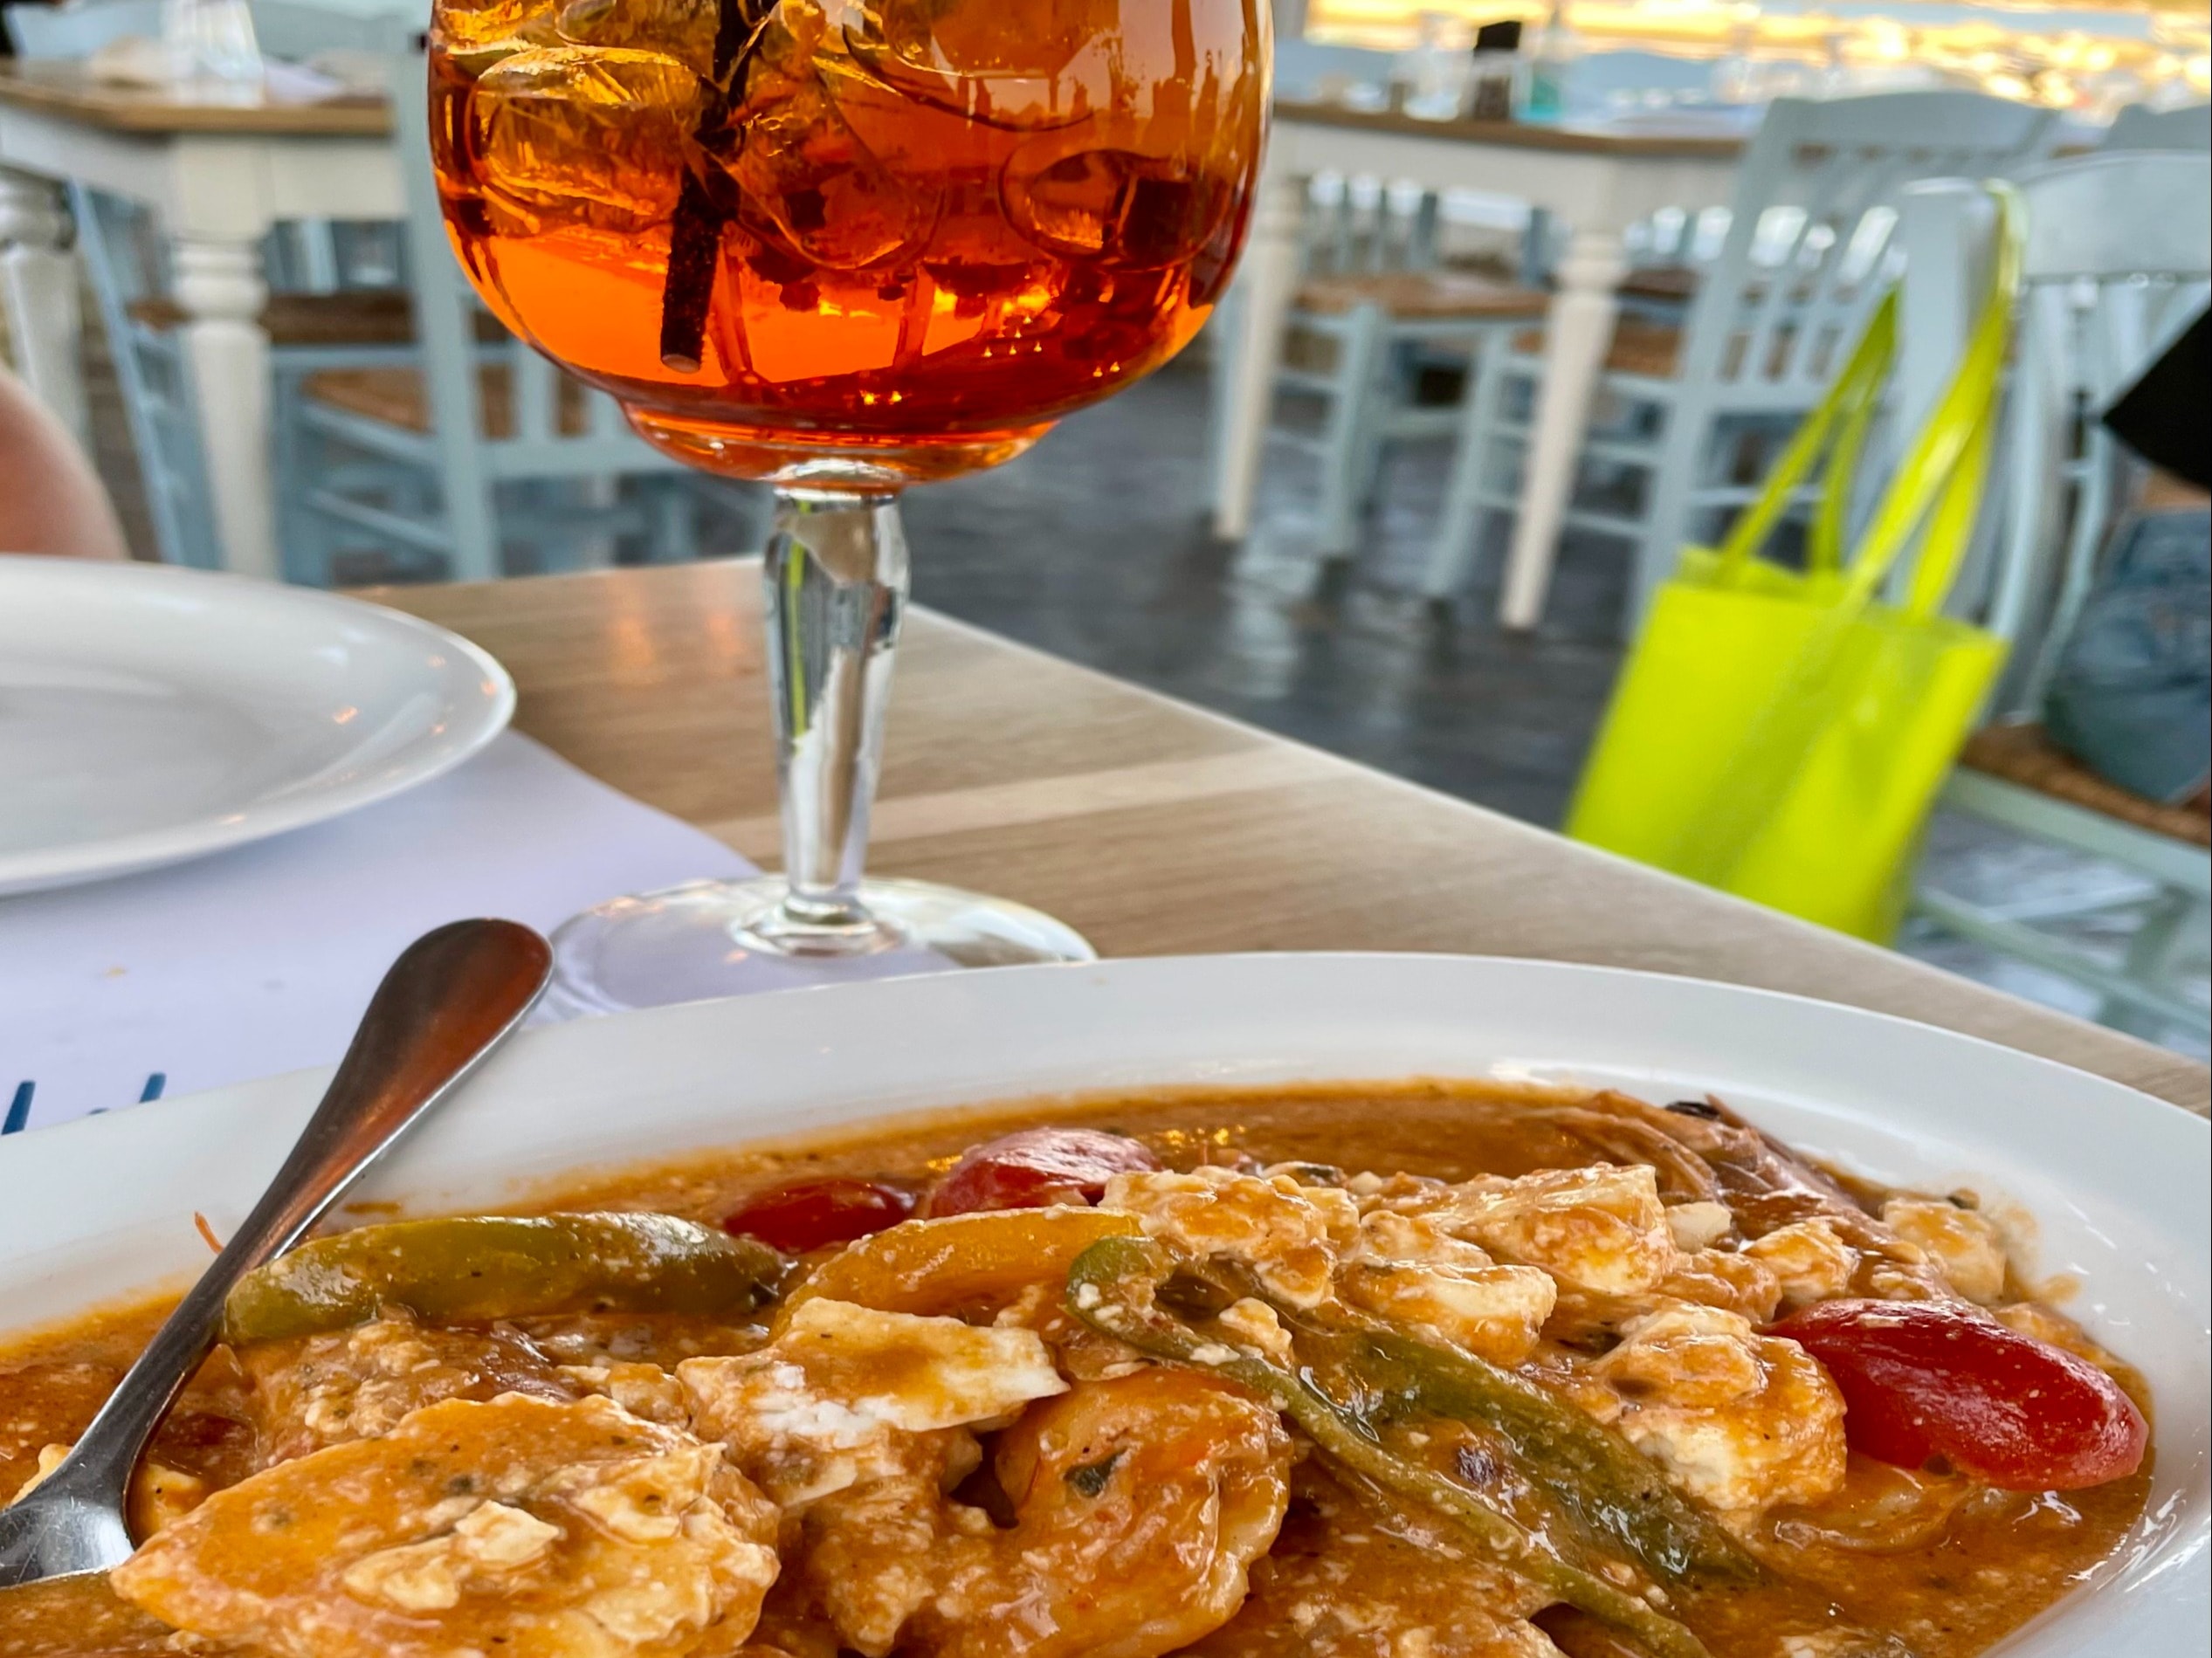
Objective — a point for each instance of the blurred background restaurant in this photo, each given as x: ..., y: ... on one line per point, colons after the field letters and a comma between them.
x: 1536, y: 296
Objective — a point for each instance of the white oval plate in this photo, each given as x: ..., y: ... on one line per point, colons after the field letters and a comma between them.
x: 2116, y: 1182
x: 151, y: 714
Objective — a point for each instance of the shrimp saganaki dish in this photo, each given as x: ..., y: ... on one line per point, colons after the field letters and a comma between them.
x: 1430, y: 1370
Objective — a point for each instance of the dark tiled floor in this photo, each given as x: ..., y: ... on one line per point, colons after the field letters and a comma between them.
x: 1095, y: 546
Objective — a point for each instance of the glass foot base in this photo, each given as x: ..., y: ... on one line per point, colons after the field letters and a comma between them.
x: 729, y: 938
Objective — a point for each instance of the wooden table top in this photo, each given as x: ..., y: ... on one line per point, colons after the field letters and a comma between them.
x: 1154, y: 828
x: 64, y: 88
x: 1592, y: 140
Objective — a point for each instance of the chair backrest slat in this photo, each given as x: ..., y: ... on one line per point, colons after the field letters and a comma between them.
x: 2140, y: 126
x: 113, y: 235
x: 2117, y: 259
x: 1807, y: 245
x: 536, y: 383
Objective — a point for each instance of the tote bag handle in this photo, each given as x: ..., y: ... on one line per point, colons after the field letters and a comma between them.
x: 1945, y: 467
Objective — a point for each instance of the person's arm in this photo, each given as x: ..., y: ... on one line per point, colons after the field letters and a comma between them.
x: 50, y: 499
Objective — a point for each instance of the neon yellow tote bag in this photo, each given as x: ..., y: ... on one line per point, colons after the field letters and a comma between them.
x: 1782, y: 733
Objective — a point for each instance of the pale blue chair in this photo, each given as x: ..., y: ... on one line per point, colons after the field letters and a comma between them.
x: 2119, y: 258
x: 1804, y: 257
x: 2140, y: 126
x: 482, y: 448
x: 1372, y: 307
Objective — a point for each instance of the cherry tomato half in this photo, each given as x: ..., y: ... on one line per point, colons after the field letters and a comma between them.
x: 1924, y: 1379
x: 1038, y: 1167
x: 812, y: 1214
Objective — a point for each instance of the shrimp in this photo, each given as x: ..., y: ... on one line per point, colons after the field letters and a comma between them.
x: 1139, y: 1507
x: 314, y: 1392
x: 1737, y: 1420
x: 533, y: 1528
x: 1134, y: 1508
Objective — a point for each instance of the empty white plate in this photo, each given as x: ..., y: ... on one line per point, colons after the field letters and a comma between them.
x: 151, y: 714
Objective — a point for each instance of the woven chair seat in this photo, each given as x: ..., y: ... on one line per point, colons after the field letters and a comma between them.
x: 1424, y: 295
x: 350, y: 317
x: 1652, y: 349
x: 2023, y: 754
x: 400, y: 397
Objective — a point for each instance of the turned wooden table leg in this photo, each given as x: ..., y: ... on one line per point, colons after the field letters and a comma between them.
x: 220, y: 286
x: 1578, y: 331
x: 39, y: 285
x: 1266, y: 285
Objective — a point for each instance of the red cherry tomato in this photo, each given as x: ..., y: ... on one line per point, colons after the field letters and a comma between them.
x: 1038, y: 1167
x: 1924, y: 1379
x: 813, y: 1214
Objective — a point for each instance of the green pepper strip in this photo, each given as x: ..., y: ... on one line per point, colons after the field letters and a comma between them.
x: 473, y: 1266
x: 1602, y: 1482
x: 1112, y: 1287
x: 1605, y: 1486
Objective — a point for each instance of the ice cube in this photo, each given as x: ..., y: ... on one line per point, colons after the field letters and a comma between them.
x: 983, y: 66
x: 1029, y: 39
x: 585, y: 135
x: 827, y: 196
x: 470, y: 29
x: 684, y: 30
x: 1115, y: 208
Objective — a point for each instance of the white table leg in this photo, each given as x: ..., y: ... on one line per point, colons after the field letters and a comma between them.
x: 219, y: 284
x: 38, y: 284
x: 1267, y: 284
x: 1578, y: 331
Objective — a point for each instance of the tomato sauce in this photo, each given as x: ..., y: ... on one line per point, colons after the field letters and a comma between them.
x: 1948, y: 1565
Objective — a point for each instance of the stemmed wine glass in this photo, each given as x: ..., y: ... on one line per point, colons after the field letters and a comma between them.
x: 841, y: 246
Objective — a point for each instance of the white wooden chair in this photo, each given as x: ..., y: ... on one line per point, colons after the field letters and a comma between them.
x: 483, y: 444
x: 1612, y: 84
x: 1376, y: 310
x: 2140, y: 126
x: 2117, y: 259
x: 1805, y: 255
x: 1371, y: 304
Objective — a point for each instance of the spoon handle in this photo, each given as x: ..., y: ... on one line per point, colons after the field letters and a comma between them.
x: 446, y: 1003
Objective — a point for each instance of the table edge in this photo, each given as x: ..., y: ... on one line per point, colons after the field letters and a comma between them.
x: 1511, y: 135
x: 119, y: 110
x: 2177, y: 1066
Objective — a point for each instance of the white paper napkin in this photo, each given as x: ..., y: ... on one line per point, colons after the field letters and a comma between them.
x: 261, y: 959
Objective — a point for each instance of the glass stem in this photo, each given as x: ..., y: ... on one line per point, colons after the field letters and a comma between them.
x: 836, y: 579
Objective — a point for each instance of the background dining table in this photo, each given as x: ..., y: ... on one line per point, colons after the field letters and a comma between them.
x: 1154, y: 828
x: 218, y: 178
x: 1597, y: 179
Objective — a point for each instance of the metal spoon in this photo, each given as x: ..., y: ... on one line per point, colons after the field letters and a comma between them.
x: 446, y: 1003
